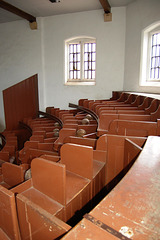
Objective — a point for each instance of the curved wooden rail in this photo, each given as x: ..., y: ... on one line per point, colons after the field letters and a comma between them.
x: 3, y: 141
x: 51, y: 117
x: 24, y: 125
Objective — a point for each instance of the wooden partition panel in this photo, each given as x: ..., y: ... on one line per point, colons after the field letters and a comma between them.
x: 21, y: 101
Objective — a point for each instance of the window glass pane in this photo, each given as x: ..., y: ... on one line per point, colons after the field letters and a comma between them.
x: 155, y: 57
x: 93, y: 65
x: 153, y: 51
x: 157, y: 51
x: 71, y: 66
x: 158, y: 39
x: 86, y: 57
x: 75, y: 66
x: 74, y: 57
x: 89, y: 60
x: 94, y: 47
x: 85, y: 74
x: 154, y: 39
x: 93, y: 75
x: 85, y: 47
x: 93, y: 57
x: 71, y: 75
x: 78, y: 66
x: 85, y: 65
x: 90, y: 49
x: 89, y: 74
x: 71, y: 57
x: 78, y: 74
x: 153, y: 62
x: 78, y: 57
x: 71, y: 48
x: 78, y: 48
x: 156, y: 73
x: 74, y: 48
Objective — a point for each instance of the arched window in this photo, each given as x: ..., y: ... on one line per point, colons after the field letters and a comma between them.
x: 80, y: 61
x: 150, y: 56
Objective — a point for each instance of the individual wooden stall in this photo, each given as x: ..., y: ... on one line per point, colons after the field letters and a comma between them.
x: 131, y: 210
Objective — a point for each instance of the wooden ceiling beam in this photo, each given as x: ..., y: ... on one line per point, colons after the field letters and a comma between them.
x: 17, y: 11
x: 106, y: 6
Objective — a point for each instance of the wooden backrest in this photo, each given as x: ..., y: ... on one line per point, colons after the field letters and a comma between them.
x: 133, y: 128
x: 4, y: 156
x: 39, y: 138
x: 45, y: 146
x: 105, y: 119
x: 78, y: 159
x: 31, y: 144
x: 49, y: 178
x: 65, y: 133
x: 81, y: 141
x: 51, y: 158
x: 70, y: 125
x: 88, y: 128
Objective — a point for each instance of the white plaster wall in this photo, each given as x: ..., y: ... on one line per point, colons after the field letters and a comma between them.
x: 110, y: 38
x: 20, y: 57
x: 139, y: 15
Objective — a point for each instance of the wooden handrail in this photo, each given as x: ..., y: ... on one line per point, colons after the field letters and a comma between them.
x: 51, y: 117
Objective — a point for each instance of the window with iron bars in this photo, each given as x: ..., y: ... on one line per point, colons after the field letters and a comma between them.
x: 150, y: 56
x: 155, y: 57
x: 81, y: 64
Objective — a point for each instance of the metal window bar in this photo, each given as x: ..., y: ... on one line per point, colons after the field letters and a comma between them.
x: 89, y: 60
x: 155, y: 57
x: 74, y: 61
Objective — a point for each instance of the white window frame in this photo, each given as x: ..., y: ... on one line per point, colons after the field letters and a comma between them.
x: 82, y: 81
x: 145, y: 63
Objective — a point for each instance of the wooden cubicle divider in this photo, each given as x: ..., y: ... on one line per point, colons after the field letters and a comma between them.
x: 21, y: 101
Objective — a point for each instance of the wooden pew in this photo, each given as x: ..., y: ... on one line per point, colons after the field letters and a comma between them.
x: 133, y: 128
x: 106, y: 119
